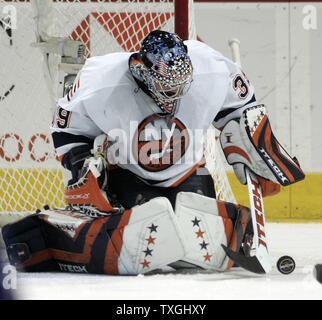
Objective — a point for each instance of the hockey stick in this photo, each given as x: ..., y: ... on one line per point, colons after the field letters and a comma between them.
x: 260, y: 261
x: 258, y: 219
x: 234, y: 45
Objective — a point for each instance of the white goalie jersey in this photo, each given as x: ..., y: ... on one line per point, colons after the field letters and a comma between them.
x: 161, y: 150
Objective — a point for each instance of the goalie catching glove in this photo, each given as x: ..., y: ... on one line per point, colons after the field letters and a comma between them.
x: 87, y: 190
x: 249, y: 142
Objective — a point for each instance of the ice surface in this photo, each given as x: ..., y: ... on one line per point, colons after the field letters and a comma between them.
x: 303, y: 242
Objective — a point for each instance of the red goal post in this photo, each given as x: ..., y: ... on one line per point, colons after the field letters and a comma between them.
x: 30, y: 174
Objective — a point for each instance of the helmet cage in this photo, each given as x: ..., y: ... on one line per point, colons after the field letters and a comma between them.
x: 169, y: 89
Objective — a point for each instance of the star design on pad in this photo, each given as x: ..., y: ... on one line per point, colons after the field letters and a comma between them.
x: 203, y: 245
x: 207, y: 256
x: 153, y: 228
x: 148, y: 252
x: 200, y: 233
x: 150, y: 240
x: 145, y: 264
x: 195, y: 222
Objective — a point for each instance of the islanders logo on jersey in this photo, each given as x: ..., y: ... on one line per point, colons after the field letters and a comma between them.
x: 160, y: 142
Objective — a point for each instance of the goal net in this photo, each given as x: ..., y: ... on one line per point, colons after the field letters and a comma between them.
x: 30, y: 173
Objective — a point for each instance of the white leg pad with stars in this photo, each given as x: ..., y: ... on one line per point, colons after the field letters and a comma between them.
x: 204, y: 231
x: 147, y: 237
x: 152, y: 239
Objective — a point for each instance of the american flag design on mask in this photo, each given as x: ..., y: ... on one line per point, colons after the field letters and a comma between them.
x: 161, y: 68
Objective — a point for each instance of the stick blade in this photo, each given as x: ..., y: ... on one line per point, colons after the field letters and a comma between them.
x: 248, y: 263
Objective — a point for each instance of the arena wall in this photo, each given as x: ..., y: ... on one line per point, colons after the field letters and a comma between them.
x: 281, y: 51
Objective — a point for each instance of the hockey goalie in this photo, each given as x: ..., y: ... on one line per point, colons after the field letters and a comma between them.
x: 131, y: 131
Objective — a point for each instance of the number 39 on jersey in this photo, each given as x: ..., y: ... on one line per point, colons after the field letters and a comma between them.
x: 62, y: 118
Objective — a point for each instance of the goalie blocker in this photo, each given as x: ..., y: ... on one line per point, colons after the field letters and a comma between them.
x: 147, y: 237
x: 250, y: 142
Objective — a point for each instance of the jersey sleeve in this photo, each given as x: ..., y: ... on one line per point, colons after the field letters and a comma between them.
x: 80, y: 114
x: 240, y: 95
x: 71, y: 125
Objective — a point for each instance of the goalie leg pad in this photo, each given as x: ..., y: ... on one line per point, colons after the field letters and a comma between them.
x: 25, y: 242
x: 153, y: 238
x: 140, y: 240
x: 207, y: 224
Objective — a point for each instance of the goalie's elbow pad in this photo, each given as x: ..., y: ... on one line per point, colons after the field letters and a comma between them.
x: 249, y: 141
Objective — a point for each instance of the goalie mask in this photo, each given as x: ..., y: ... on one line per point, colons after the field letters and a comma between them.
x: 164, y: 68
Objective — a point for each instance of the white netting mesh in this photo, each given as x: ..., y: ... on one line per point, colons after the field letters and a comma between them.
x: 29, y: 172
x: 216, y: 165
x: 30, y: 175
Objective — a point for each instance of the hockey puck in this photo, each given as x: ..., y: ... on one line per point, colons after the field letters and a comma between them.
x: 285, y: 264
x: 318, y: 272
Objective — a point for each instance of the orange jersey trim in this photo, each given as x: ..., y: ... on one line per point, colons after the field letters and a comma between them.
x: 189, y: 173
